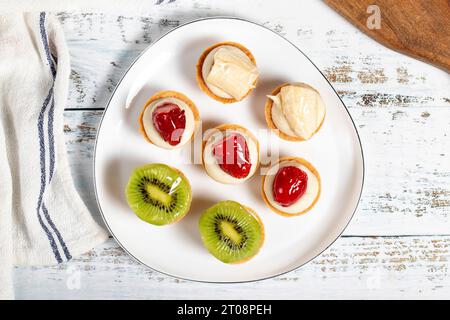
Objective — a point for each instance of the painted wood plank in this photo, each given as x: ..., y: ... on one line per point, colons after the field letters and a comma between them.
x: 103, y: 45
x: 407, y: 185
x: 378, y: 268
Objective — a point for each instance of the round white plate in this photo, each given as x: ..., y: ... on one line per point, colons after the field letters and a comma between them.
x: 177, y: 250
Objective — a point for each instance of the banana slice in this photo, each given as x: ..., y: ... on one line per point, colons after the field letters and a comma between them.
x: 232, y: 72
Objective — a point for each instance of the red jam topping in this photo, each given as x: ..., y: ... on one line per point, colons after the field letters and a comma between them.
x: 170, y: 121
x: 289, y: 185
x: 232, y: 156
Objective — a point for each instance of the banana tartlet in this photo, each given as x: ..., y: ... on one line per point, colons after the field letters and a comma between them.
x: 291, y: 187
x: 295, y: 111
x: 227, y: 72
x: 230, y: 154
x: 169, y: 119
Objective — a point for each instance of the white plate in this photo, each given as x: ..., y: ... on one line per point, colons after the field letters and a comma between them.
x: 177, y: 249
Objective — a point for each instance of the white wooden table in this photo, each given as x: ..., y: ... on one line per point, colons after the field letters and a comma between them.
x: 397, y: 245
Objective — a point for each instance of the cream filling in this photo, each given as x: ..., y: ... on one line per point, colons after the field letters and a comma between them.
x: 298, y: 110
x: 228, y: 72
x: 212, y: 167
x: 305, y: 201
x: 154, y: 135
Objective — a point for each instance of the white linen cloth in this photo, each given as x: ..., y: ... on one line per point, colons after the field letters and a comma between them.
x: 42, y: 218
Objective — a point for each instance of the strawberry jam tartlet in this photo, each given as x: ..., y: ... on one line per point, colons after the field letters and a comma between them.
x: 295, y: 111
x: 230, y: 154
x: 291, y: 187
x: 169, y: 119
x: 227, y: 72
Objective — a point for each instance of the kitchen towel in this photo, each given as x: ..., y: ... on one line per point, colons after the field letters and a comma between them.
x: 42, y: 218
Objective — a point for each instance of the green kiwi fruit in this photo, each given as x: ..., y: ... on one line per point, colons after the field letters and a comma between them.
x: 158, y: 194
x: 231, y: 232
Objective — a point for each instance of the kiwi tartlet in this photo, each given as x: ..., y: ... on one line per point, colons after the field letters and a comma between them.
x: 158, y: 194
x: 231, y: 232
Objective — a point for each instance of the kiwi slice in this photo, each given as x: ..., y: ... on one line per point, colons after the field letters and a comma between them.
x: 231, y: 232
x: 158, y: 194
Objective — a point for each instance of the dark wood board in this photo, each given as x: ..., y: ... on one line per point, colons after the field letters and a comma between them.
x: 418, y: 28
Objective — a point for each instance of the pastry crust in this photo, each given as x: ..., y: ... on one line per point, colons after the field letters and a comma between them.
x: 201, y: 82
x: 271, y: 124
x: 231, y: 127
x: 168, y: 94
x: 310, y: 168
x: 263, y: 234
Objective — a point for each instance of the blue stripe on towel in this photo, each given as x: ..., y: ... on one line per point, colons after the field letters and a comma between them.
x: 45, y: 43
x: 51, y: 138
x: 51, y: 112
x: 52, y: 225
x: 162, y: 1
x: 43, y: 177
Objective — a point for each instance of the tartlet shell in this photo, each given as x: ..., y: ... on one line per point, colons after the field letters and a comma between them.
x: 168, y: 94
x: 310, y: 168
x: 201, y: 82
x: 271, y: 124
x: 231, y: 127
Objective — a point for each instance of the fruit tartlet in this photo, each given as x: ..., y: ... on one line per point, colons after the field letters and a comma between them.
x: 291, y: 187
x: 295, y: 111
x: 158, y: 194
x: 227, y: 72
x: 230, y: 154
x: 169, y: 119
x: 231, y: 232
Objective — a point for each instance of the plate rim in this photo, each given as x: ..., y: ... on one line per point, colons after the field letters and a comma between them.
x: 224, y: 282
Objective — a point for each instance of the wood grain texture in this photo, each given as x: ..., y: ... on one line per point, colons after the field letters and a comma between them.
x: 368, y: 267
x: 402, y: 110
x: 419, y: 28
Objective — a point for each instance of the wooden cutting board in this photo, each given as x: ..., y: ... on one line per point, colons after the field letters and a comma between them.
x: 418, y: 28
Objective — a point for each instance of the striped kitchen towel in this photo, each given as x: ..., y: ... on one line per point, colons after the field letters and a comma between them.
x: 42, y: 218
